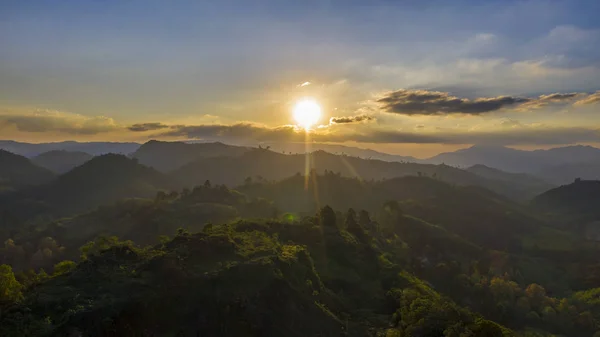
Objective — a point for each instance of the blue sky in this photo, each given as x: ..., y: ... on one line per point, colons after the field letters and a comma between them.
x: 88, y: 70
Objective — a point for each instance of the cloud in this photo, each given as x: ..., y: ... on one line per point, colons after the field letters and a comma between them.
x: 555, y: 98
x: 240, y: 131
x: 57, y: 121
x: 510, y: 136
x: 424, y: 102
x: 590, y: 99
x: 147, y: 127
x: 437, y: 103
x: 350, y: 119
x: 511, y: 133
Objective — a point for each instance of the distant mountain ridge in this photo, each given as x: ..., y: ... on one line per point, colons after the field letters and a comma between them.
x: 341, y: 149
x: 93, y: 148
x: 61, y: 161
x: 557, y: 166
x: 168, y: 156
x: 513, y: 160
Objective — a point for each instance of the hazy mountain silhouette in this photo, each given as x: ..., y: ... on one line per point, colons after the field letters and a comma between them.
x: 17, y: 170
x: 513, y: 160
x: 61, y: 161
x: 265, y: 164
x: 103, y: 179
x: 530, y: 183
x: 295, y: 148
x: 93, y: 148
x: 580, y: 197
x: 167, y: 156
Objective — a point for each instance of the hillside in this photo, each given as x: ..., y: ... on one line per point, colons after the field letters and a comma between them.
x: 530, y: 184
x: 17, y: 170
x: 168, y: 156
x: 579, y: 199
x: 476, y: 214
x: 324, y: 275
x: 255, y: 285
x: 264, y: 164
x: 61, y: 161
x: 101, y: 180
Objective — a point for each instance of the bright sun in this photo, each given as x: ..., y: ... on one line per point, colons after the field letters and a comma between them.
x: 307, y: 113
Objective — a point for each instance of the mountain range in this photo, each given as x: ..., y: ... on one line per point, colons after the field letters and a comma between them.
x: 295, y: 244
x: 557, y: 166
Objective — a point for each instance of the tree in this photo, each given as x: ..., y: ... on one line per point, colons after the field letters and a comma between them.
x: 537, y: 295
x: 327, y: 217
x: 64, y: 267
x: 353, y: 227
x: 10, y: 288
x: 207, y: 184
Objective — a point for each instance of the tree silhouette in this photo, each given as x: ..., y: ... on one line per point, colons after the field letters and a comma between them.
x: 327, y: 217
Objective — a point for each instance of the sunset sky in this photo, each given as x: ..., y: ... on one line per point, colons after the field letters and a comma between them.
x: 408, y: 77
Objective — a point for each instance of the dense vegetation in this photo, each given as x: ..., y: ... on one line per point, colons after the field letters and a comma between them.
x: 115, y: 248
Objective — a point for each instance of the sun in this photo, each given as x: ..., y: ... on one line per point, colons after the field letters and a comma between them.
x: 307, y: 112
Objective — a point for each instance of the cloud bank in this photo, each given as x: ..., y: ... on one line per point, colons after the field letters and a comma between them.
x: 142, y: 127
x: 437, y: 103
x: 56, y: 121
x: 350, y: 119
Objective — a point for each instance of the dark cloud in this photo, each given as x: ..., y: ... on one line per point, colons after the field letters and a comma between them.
x: 241, y: 131
x: 558, y: 97
x: 147, y: 127
x: 555, y: 98
x: 423, y: 102
x: 517, y: 134
x: 350, y: 119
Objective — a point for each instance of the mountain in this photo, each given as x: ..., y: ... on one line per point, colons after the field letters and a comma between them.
x: 573, y: 206
x: 458, y: 209
x: 513, y: 160
x: 580, y: 199
x: 530, y: 184
x: 265, y: 164
x: 61, y: 161
x: 168, y: 156
x: 415, y: 256
x: 339, y: 149
x: 102, y: 180
x: 16, y: 170
x: 93, y: 148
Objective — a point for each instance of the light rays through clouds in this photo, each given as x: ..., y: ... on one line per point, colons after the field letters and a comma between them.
x: 391, y: 73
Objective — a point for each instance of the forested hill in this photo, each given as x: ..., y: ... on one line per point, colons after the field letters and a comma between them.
x: 103, y: 179
x: 17, y: 170
x: 168, y: 156
x: 414, y: 256
x: 269, y: 165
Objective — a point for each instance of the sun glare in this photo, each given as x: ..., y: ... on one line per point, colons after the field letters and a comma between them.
x: 307, y: 113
